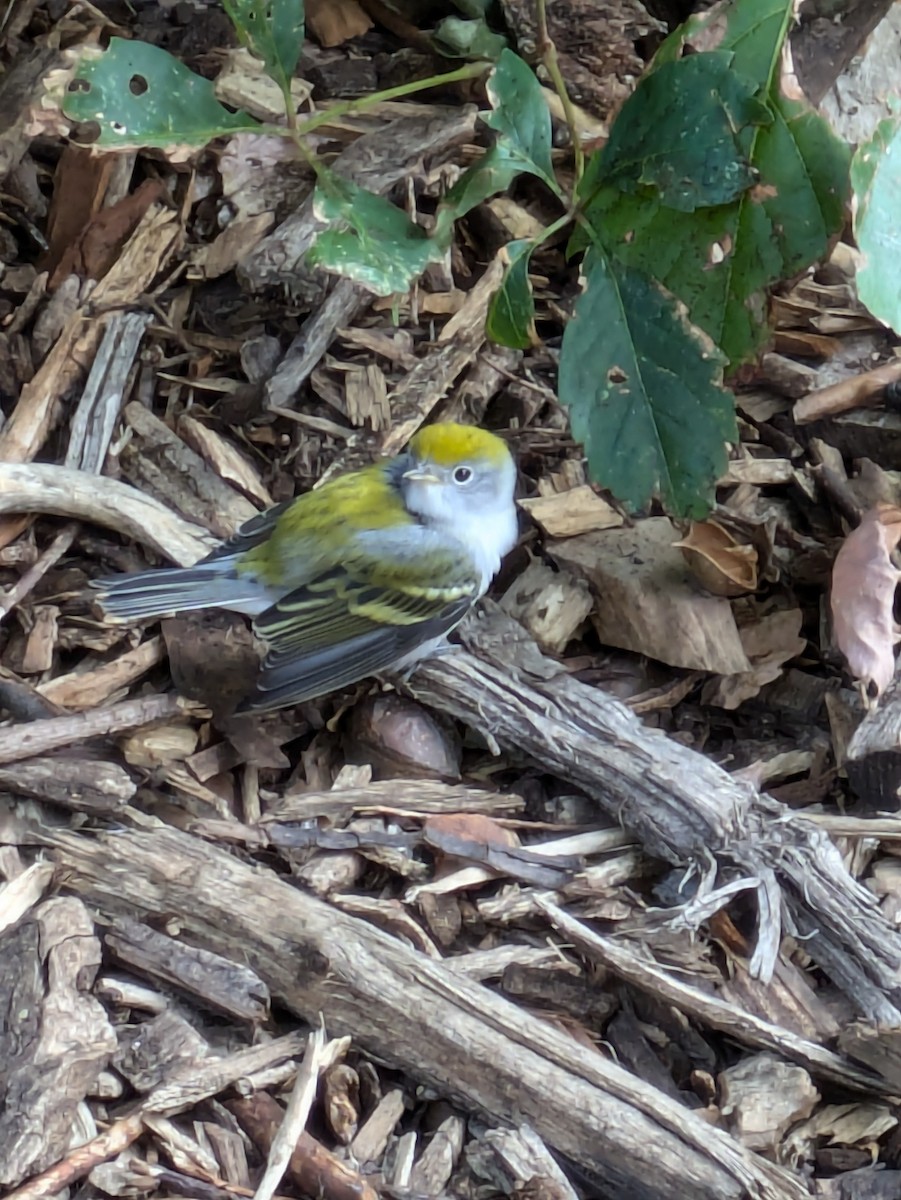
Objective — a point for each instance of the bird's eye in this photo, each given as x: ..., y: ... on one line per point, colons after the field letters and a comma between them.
x: 462, y: 474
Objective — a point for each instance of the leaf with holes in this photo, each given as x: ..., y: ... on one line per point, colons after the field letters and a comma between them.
x: 678, y: 133
x: 139, y: 95
x: 371, y: 240
x: 721, y: 260
x: 644, y: 393
x: 273, y: 31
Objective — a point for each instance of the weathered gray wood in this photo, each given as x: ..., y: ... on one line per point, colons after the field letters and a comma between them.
x: 47, y: 966
x: 440, y: 1028
x: 682, y: 807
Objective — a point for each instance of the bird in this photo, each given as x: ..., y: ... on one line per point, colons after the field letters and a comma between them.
x: 365, y: 574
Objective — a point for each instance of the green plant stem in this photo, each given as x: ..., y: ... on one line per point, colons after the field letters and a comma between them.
x: 554, y: 227
x: 305, y: 152
x: 548, y: 52
x: 350, y: 107
x: 290, y: 109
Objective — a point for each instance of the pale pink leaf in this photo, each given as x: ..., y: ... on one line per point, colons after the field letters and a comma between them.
x: 863, y: 596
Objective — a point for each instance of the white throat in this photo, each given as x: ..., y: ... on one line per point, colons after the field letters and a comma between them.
x: 486, y: 536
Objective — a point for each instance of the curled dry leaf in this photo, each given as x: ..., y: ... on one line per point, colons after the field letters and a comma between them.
x: 720, y: 563
x: 341, y: 1101
x: 863, y: 596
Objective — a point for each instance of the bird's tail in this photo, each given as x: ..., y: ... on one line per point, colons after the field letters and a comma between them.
x: 148, y: 594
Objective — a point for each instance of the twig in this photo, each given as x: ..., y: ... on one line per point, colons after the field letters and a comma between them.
x: 319, y: 1056
x: 708, y: 1009
x: 43, y: 488
x: 40, y: 737
x: 683, y: 808
x: 81, y: 1161
x: 36, y: 572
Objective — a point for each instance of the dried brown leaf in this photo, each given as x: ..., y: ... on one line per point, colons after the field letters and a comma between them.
x: 718, y: 561
x: 332, y: 22
x: 863, y: 596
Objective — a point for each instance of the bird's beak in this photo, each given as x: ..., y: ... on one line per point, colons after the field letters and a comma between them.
x: 421, y: 475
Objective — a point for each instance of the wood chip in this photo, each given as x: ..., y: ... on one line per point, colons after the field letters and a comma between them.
x: 552, y: 605
x: 567, y: 513
x: 226, y: 460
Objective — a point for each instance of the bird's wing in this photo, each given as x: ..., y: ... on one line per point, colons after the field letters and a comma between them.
x: 362, y: 617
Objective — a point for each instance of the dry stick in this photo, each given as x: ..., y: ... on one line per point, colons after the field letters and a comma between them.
x: 711, y: 1010
x: 81, y: 1161
x: 43, y: 488
x: 318, y: 1057
x: 682, y: 807
x: 860, y: 391
x: 40, y: 737
x: 445, y: 1031
x: 38, y: 570
x: 313, y: 1170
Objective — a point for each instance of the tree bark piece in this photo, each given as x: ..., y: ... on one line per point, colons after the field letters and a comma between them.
x: 442, y: 1029
x: 681, y: 806
x: 30, y: 740
x: 47, y: 1010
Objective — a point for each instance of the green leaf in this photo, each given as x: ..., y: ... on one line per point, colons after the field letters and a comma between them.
x: 520, y: 116
x: 372, y: 241
x: 140, y: 95
x: 523, y: 126
x: 493, y: 174
x: 876, y: 179
x: 678, y: 133
x: 643, y: 388
x: 377, y: 245
x: 468, y: 39
x: 721, y: 261
x: 511, y: 314
x: 273, y: 31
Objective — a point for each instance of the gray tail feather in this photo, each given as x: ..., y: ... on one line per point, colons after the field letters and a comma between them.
x: 178, y: 589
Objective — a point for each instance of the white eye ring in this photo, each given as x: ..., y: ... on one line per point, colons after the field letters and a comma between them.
x: 462, y: 474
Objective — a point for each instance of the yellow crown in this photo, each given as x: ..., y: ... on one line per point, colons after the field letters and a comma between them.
x: 446, y: 444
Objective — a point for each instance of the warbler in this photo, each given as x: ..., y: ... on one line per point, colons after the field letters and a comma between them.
x: 367, y: 573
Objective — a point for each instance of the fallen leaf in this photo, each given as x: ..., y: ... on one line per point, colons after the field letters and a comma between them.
x: 770, y: 640
x: 647, y: 601
x: 720, y: 563
x: 332, y: 22
x: 863, y: 597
